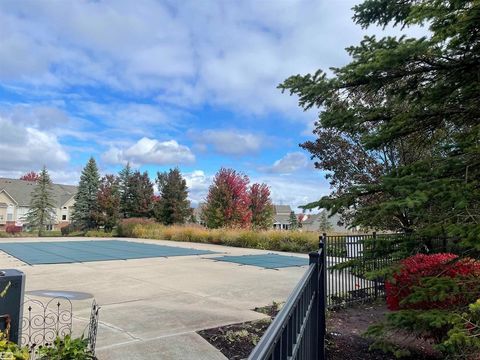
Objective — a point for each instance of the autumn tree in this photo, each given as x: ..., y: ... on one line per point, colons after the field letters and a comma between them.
x: 42, y: 204
x: 228, y: 201
x: 85, y: 209
x: 108, y: 198
x: 406, y: 111
x: 173, y: 206
x: 261, y: 206
x: 30, y: 176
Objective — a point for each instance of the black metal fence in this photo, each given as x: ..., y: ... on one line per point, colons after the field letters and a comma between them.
x: 355, y: 262
x: 298, y: 331
x: 43, y: 322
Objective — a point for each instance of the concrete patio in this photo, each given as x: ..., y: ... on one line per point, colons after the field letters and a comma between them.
x: 151, y: 308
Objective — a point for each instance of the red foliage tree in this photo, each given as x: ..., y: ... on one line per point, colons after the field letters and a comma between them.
x: 30, y: 176
x: 418, y: 267
x: 108, y: 198
x: 261, y: 206
x: 228, y: 200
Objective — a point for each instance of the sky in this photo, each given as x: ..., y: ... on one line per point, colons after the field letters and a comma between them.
x: 161, y: 84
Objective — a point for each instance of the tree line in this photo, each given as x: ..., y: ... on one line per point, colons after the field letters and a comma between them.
x: 102, y: 201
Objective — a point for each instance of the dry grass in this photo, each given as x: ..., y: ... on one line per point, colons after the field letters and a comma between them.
x: 291, y: 241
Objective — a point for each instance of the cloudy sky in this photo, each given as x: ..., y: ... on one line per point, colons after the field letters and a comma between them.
x: 166, y: 83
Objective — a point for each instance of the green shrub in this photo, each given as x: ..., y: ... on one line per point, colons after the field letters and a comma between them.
x: 67, y: 348
x: 100, y: 233
x: 11, y: 351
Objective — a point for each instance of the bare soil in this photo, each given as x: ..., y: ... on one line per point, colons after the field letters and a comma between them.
x: 345, y: 329
x: 344, y: 338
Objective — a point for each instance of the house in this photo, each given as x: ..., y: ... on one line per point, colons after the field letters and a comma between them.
x: 15, y: 196
x: 321, y: 222
x: 281, y: 217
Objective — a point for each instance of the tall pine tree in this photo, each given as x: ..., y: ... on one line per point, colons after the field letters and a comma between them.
x: 85, y: 209
x: 42, y: 205
x: 142, y: 195
x: 173, y: 207
x: 411, y: 100
x: 126, y: 191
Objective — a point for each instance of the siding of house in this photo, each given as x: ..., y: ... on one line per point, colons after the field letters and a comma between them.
x: 15, y: 200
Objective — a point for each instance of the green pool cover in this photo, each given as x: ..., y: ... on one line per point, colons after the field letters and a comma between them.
x: 97, y: 250
x: 268, y: 261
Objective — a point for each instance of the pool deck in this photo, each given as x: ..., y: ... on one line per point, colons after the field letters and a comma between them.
x: 151, y: 308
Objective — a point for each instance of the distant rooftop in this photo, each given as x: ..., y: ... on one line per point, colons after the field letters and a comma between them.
x: 20, y: 191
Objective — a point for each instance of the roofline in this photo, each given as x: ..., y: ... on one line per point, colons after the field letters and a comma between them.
x: 70, y: 198
x: 10, y: 196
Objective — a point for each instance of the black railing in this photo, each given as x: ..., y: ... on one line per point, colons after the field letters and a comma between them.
x: 298, y: 331
x: 355, y: 262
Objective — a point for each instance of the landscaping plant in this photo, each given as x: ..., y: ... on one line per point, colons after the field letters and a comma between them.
x: 67, y: 348
x: 11, y: 351
x: 437, y: 298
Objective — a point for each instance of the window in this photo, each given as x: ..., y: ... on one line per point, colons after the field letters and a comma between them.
x: 64, y: 217
x: 49, y: 227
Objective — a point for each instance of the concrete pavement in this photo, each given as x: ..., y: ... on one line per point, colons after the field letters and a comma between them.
x: 152, y: 308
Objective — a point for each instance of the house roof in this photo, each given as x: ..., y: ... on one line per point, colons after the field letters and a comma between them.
x: 282, y: 209
x: 281, y: 219
x: 20, y: 191
x: 310, y: 218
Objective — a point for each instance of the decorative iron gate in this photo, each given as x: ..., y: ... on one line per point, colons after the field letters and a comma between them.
x: 43, y: 322
x: 298, y: 331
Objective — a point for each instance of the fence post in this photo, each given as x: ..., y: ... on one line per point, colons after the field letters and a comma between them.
x: 322, y: 268
x: 375, y: 263
x: 314, y: 258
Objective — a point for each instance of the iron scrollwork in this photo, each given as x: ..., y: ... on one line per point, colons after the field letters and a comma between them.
x: 45, y: 322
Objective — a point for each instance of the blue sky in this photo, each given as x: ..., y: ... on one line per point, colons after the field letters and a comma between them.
x: 165, y: 83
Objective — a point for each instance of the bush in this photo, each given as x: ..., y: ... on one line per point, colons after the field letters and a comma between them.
x: 68, y: 229
x: 10, y: 350
x: 292, y: 241
x: 421, y: 272
x: 126, y: 227
x: 435, y: 297
x: 13, y: 229
x: 100, y: 233
x: 67, y: 348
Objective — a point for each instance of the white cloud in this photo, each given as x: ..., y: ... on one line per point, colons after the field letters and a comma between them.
x: 289, y: 164
x: 198, y: 183
x: 230, y: 142
x: 294, y: 190
x: 186, y: 53
x: 24, y: 148
x: 150, y: 151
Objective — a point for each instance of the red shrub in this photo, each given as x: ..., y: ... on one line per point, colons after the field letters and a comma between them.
x: 419, y: 266
x: 13, y: 229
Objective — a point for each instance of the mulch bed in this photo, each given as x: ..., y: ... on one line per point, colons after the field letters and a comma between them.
x: 238, y: 340
x: 344, y: 335
x: 346, y: 326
